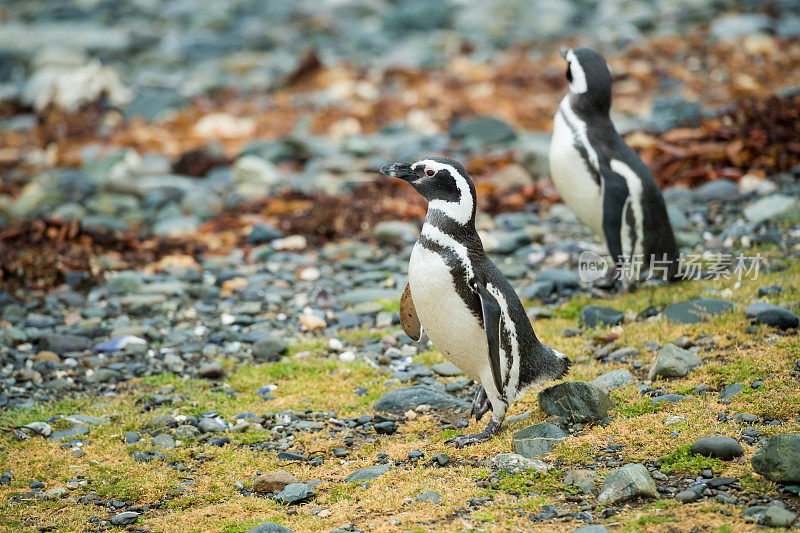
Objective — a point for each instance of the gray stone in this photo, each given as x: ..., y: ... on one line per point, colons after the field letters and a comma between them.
x: 537, y: 289
x: 671, y: 111
x: 61, y: 344
x: 359, y: 296
x: 577, y: 401
x: 779, y: 460
x: 56, y: 493
x: 211, y: 370
x: 581, y: 479
x: 483, y: 130
x: 176, y: 226
x: 261, y: 234
x: 186, y: 432
x: 295, y: 493
x: 105, y: 375
x: 429, y: 496
x: 273, y: 481
x: 595, y: 315
x: 562, y: 279
x: 594, y: 528
x: 514, y: 463
x: 126, y: 282
x: 395, y: 232
x: 730, y: 391
x: 778, y: 516
x: 124, y: 519
x: 155, y: 103
x: 718, y: 446
x: 210, y: 425
x: 403, y: 399
x: 164, y: 441
x: 446, y: 369
x: 720, y: 190
x: 687, y: 496
x: 696, y: 310
x: 771, y: 315
x: 738, y: 25
x: 537, y: 440
x: 269, y: 527
x: 161, y: 421
x: 363, y: 474
x: 772, y: 208
x: 85, y: 420
x: 69, y: 434
x: 614, y: 379
x: 40, y: 428
x: 677, y: 218
x: 630, y: 481
x: 673, y: 362
x: 269, y: 348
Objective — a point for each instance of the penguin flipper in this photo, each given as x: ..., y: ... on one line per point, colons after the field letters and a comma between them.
x: 491, y: 324
x: 615, y: 193
x: 408, y: 315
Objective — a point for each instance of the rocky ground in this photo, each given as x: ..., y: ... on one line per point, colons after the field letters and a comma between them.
x: 200, y: 268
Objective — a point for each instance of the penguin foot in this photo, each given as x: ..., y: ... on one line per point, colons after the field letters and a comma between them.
x: 608, y: 280
x: 473, y: 438
x: 481, y: 404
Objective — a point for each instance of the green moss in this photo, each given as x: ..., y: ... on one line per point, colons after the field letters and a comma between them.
x: 682, y: 460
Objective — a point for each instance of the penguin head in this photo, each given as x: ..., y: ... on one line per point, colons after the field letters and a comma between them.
x: 589, y: 78
x: 443, y: 182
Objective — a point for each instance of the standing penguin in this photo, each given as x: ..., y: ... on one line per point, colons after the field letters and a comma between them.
x: 463, y: 302
x: 602, y: 179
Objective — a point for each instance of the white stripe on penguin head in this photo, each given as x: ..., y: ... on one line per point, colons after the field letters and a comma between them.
x: 460, y: 211
x: 578, y: 83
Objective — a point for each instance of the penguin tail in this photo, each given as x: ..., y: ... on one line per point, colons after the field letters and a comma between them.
x: 562, y: 364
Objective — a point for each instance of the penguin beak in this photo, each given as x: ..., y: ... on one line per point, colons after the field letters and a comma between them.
x: 398, y: 170
x: 564, y: 51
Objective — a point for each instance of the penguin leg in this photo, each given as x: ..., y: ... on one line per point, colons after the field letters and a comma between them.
x: 499, y: 408
x: 480, y: 405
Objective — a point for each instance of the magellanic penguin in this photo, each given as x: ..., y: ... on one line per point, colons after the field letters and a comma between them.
x: 602, y: 179
x: 463, y: 302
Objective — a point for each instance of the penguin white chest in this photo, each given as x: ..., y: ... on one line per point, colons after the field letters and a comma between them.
x: 572, y: 177
x: 447, y: 320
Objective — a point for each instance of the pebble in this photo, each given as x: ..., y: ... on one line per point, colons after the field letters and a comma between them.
x: 629, y: 481
x: 779, y: 460
x: 577, y: 401
x: 593, y: 316
x: 269, y: 527
x: 537, y: 440
x: 719, y: 447
x: 364, y: 474
x: 125, y: 518
x: 514, y: 463
x: 673, y: 362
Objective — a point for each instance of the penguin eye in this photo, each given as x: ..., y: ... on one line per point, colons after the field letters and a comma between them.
x: 569, y: 73
x: 430, y: 172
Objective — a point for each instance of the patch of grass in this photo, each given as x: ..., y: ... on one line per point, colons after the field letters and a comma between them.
x: 529, y: 481
x: 343, y: 492
x: 429, y: 357
x: 572, y: 309
x: 662, y: 504
x: 653, y: 520
x: 682, y: 460
x: 391, y: 306
x: 633, y: 407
